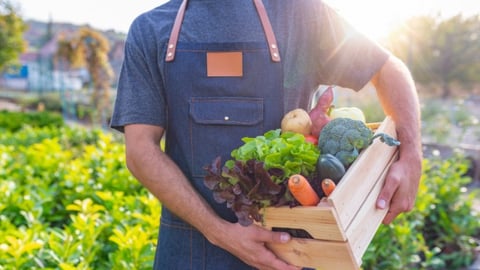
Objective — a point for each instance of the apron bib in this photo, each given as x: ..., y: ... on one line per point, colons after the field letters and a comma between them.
x: 217, y: 93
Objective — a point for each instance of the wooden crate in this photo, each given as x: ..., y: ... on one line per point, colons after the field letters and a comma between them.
x: 343, y: 224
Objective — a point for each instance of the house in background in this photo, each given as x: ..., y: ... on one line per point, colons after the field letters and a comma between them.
x: 15, y: 78
x: 40, y: 72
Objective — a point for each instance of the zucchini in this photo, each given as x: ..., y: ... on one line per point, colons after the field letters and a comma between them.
x: 328, y: 166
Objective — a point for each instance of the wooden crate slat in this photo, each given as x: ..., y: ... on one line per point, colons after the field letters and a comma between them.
x: 362, y: 175
x: 319, y: 221
x: 365, y: 224
x: 328, y: 255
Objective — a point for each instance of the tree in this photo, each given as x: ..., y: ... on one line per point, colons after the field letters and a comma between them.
x: 12, y: 27
x: 89, y: 48
x: 440, y: 51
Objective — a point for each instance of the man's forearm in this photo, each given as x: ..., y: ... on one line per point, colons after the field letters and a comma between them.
x: 397, y: 94
x: 162, y: 177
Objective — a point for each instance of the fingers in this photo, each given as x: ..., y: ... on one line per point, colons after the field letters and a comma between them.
x: 398, y: 193
x: 392, y: 183
x: 389, y: 217
x: 266, y: 236
x: 387, y: 197
x: 279, y: 264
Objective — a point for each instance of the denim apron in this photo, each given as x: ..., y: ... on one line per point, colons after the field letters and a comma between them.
x: 209, y: 111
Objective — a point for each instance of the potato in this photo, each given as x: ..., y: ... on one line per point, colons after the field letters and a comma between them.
x: 297, y: 121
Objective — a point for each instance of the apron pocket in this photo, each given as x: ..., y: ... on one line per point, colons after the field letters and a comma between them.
x: 218, y: 124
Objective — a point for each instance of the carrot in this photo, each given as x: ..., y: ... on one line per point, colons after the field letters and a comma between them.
x: 328, y: 186
x: 302, y: 191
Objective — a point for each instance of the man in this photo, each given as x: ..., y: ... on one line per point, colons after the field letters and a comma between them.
x: 205, y: 73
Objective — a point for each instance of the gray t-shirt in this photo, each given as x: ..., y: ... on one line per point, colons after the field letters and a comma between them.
x: 316, y: 45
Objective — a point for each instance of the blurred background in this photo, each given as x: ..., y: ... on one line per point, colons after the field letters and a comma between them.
x: 67, y: 201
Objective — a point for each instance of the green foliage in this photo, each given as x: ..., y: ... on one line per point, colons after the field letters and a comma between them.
x: 11, y: 34
x: 440, y: 51
x: 51, y: 101
x: 440, y: 232
x: 68, y: 202
x: 450, y: 126
x: 13, y: 121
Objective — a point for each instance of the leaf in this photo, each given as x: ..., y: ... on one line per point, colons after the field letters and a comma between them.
x: 245, y: 188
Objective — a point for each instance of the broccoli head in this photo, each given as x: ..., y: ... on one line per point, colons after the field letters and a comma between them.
x: 344, y: 138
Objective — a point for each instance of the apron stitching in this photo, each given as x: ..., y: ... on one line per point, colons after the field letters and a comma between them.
x: 204, y: 253
x: 191, y: 249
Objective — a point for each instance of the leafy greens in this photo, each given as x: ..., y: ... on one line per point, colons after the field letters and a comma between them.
x: 256, y: 175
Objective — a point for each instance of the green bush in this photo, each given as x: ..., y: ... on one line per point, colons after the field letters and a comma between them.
x: 448, y: 125
x: 51, y: 101
x: 68, y: 202
x: 13, y: 121
x: 441, y: 231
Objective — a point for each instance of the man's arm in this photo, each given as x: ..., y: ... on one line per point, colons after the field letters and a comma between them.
x: 162, y: 177
x: 397, y: 94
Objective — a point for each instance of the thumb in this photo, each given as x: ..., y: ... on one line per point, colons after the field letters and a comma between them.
x: 280, y: 237
x: 266, y: 235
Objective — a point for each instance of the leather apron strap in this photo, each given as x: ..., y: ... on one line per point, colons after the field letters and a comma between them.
x: 267, y: 28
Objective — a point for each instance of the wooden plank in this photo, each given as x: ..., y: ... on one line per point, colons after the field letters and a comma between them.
x: 362, y: 229
x: 319, y: 221
x: 317, y: 254
x: 361, y: 177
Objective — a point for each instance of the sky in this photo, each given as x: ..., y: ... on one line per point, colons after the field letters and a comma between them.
x: 374, y: 17
x: 100, y: 14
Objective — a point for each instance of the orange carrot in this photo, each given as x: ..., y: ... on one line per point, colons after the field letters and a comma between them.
x: 328, y: 186
x: 302, y: 191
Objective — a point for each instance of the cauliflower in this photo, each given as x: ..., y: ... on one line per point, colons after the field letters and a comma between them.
x: 344, y: 138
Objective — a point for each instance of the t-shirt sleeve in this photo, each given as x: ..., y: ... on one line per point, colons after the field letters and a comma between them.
x: 139, y: 98
x: 347, y: 57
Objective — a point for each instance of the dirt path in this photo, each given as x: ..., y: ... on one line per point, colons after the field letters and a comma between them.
x: 9, y: 106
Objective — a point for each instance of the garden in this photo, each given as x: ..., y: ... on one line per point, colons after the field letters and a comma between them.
x: 68, y: 202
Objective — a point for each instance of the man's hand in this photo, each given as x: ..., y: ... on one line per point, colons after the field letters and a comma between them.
x: 249, y: 245
x: 400, y: 188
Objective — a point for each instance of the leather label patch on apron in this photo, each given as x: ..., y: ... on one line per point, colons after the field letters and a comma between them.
x: 224, y: 64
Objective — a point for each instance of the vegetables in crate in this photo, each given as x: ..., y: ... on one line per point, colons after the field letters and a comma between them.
x: 328, y: 166
x: 297, y: 121
x: 348, y: 112
x: 302, y: 191
x: 345, y: 138
x: 328, y: 186
x: 319, y: 114
x: 257, y: 174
